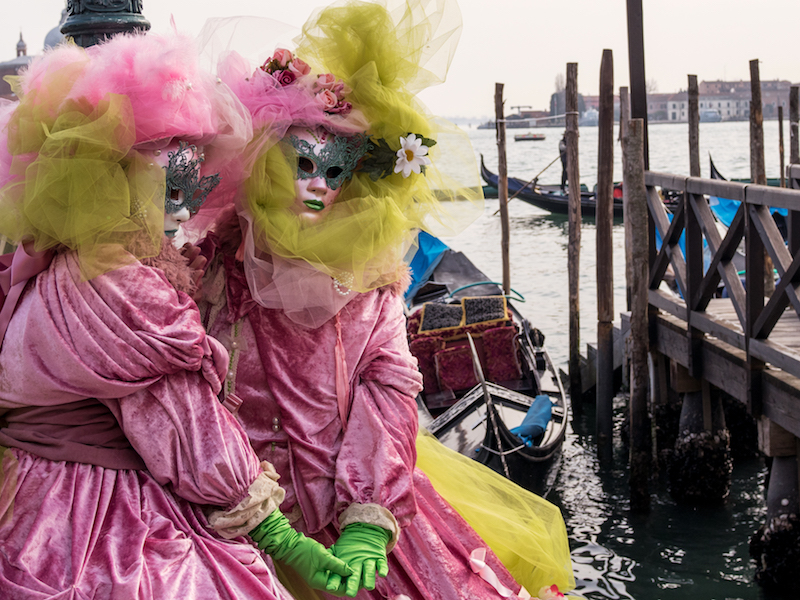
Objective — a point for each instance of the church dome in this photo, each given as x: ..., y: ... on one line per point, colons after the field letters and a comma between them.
x: 54, y: 37
x: 22, y: 47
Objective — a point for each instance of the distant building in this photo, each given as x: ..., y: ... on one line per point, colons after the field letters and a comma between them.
x: 15, y: 65
x: 720, y: 101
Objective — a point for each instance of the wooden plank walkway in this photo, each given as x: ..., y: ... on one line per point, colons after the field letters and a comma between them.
x: 747, y: 345
x: 724, y: 364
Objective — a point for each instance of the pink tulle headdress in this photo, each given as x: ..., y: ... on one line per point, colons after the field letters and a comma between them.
x: 76, y: 151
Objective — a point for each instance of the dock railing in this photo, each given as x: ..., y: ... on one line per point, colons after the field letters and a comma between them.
x: 748, y: 320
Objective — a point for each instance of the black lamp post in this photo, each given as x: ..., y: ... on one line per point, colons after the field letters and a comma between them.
x: 91, y: 21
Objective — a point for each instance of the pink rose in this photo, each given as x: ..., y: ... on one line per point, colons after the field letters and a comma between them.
x: 325, y: 81
x: 327, y: 99
x: 282, y: 56
x: 284, y: 77
x: 340, y: 89
x: 299, y: 67
x: 342, y: 109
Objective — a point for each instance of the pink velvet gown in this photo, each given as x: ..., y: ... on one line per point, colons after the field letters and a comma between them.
x: 284, y: 379
x: 114, y: 435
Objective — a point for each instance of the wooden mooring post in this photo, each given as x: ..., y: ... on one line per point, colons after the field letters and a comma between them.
x: 574, y: 243
x: 502, y: 184
x: 794, y: 157
x: 780, y: 146
x: 604, y: 220
x: 758, y: 168
x: 694, y: 127
x: 794, y: 117
x: 624, y: 119
x: 641, y: 445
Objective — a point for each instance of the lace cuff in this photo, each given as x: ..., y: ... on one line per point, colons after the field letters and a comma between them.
x: 263, y: 496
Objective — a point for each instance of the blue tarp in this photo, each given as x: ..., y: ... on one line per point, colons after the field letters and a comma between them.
x: 725, y: 209
x: 429, y: 253
x: 682, y: 245
x: 536, y: 420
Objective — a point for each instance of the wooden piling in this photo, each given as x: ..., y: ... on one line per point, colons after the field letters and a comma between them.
x: 604, y: 220
x: 758, y: 172
x: 694, y: 127
x: 640, y: 437
x: 636, y: 68
x: 780, y: 146
x: 574, y: 243
x: 794, y: 157
x: 502, y: 184
x: 624, y: 118
x: 758, y: 169
x: 794, y: 117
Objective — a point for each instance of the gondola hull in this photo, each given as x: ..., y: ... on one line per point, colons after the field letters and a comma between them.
x: 550, y: 198
x: 462, y: 419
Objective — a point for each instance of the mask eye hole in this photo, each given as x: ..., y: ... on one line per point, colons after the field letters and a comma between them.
x: 306, y: 165
x: 174, y: 194
x: 333, y: 172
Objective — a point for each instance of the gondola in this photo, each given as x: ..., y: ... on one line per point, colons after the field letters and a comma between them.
x: 485, y: 369
x: 550, y: 197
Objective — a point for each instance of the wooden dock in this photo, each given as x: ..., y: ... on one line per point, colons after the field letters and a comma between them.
x: 748, y: 343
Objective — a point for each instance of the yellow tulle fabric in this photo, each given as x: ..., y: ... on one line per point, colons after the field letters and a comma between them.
x: 380, y: 55
x: 75, y: 181
x: 526, y: 532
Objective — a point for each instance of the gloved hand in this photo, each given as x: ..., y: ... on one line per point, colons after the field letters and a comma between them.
x: 309, y: 558
x: 363, y: 548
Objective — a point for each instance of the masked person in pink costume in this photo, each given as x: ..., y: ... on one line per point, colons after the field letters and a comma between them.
x: 305, y: 290
x: 122, y: 474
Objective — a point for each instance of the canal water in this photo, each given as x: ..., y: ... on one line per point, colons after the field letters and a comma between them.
x: 674, y: 552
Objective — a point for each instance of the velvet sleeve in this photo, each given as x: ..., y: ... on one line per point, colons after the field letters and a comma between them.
x: 378, y: 453
x: 188, y: 439
x: 130, y: 340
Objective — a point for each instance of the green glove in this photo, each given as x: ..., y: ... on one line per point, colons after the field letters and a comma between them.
x: 363, y: 547
x: 309, y: 558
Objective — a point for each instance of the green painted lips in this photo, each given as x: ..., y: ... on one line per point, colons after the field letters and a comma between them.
x: 314, y: 204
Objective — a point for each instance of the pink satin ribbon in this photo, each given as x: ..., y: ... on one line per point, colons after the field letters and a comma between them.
x: 15, y: 270
x: 477, y: 562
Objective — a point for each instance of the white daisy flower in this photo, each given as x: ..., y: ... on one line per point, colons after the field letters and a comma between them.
x: 411, y: 156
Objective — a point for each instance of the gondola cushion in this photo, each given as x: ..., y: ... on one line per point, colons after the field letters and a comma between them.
x: 500, y: 349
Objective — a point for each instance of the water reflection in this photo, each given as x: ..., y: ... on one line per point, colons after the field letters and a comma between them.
x: 674, y: 552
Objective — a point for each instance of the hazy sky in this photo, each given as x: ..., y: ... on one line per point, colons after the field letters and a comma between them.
x: 526, y: 44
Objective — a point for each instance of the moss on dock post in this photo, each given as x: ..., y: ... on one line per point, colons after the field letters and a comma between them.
x: 701, y: 465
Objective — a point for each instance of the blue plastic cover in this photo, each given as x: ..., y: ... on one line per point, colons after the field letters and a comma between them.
x: 536, y: 420
x: 429, y: 252
x: 725, y: 209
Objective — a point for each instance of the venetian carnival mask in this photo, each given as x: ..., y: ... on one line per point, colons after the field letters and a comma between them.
x: 185, y: 189
x: 322, y: 154
x: 325, y: 162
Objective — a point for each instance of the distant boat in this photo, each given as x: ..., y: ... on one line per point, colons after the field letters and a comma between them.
x: 590, y: 118
x: 710, y: 115
x: 529, y: 137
